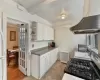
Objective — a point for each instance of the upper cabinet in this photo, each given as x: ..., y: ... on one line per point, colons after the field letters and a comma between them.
x: 41, y: 32
x: 48, y: 33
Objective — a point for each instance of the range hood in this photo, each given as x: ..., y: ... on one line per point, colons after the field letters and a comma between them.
x: 89, y: 24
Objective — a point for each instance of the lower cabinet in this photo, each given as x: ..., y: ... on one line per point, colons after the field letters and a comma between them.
x: 47, y: 60
x: 44, y: 63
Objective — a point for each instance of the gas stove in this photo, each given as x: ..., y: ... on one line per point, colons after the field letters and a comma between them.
x: 81, y: 68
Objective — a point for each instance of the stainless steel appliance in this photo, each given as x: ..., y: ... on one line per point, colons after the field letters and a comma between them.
x: 88, y: 24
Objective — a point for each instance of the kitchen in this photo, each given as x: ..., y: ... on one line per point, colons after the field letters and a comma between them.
x: 64, y: 43
x: 86, y: 37
x: 85, y: 63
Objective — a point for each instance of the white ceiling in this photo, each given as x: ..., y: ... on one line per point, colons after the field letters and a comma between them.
x: 52, y: 10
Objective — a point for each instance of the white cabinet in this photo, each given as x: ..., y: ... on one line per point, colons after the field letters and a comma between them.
x: 41, y: 64
x: 48, y: 33
x: 54, y: 55
x: 41, y: 32
x: 47, y: 60
x: 37, y: 31
x: 51, y: 33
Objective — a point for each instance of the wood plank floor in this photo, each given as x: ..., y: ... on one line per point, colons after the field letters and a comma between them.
x: 14, y: 74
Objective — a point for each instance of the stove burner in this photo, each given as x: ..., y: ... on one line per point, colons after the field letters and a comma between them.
x: 80, y: 68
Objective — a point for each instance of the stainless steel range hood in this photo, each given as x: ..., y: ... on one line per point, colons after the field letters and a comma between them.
x: 89, y: 24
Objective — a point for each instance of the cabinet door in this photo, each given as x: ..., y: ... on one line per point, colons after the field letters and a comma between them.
x: 39, y: 31
x: 42, y: 65
x: 47, y: 59
x: 51, y: 33
x: 52, y: 57
x: 54, y: 54
x: 46, y: 32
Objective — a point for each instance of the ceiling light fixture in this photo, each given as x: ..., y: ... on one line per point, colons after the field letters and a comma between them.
x: 63, y: 14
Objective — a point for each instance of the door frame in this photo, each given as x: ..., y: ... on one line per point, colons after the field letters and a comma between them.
x: 28, y: 51
x: 3, y: 20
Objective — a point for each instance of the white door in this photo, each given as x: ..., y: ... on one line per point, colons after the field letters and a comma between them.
x: 23, y: 48
x: 48, y: 60
x: 3, y: 68
x: 51, y: 33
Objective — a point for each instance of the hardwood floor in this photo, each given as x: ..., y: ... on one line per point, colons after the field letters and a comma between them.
x: 13, y: 73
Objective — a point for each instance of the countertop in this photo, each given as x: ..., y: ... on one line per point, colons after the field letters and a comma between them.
x: 82, y: 55
x: 70, y: 77
x: 42, y: 51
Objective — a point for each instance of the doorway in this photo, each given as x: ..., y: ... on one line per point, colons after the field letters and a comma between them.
x: 16, y: 49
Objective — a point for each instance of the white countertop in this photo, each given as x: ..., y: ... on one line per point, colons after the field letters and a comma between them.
x: 70, y: 77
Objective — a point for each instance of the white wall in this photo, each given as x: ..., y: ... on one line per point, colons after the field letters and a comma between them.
x: 10, y: 10
x: 91, y: 7
x: 94, y: 7
x: 39, y: 44
x: 64, y: 39
x: 79, y: 39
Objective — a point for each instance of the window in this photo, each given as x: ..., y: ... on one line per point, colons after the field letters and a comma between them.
x: 96, y: 41
x: 89, y: 39
x: 92, y: 40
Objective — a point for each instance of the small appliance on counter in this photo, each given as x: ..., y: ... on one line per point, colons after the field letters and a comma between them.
x: 52, y: 44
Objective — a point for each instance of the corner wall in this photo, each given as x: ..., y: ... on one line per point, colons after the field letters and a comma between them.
x: 68, y: 41
x: 64, y: 39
